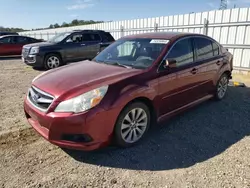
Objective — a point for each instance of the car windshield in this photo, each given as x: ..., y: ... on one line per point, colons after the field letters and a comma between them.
x: 59, y: 37
x: 137, y: 53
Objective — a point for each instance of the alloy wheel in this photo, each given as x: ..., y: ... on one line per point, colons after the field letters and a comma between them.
x: 222, y: 87
x: 53, y: 62
x: 134, y: 125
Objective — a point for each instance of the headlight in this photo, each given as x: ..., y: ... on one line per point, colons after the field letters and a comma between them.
x: 83, y: 102
x: 34, y: 50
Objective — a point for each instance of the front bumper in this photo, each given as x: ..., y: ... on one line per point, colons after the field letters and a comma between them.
x: 33, y: 60
x: 97, y: 124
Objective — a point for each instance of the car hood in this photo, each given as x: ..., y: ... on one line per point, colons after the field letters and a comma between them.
x: 80, y: 77
x: 40, y: 44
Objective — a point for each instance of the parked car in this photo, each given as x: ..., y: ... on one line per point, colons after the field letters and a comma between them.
x: 2, y: 33
x: 12, y: 44
x: 134, y: 82
x: 66, y: 47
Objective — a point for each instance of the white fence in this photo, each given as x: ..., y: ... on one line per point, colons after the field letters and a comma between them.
x: 231, y: 27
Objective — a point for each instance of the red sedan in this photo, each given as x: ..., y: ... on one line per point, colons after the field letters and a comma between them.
x: 11, y: 45
x: 134, y: 82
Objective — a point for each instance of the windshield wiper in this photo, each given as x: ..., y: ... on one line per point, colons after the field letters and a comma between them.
x: 117, y: 63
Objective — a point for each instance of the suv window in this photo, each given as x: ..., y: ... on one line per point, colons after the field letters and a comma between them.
x: 204, y: 48
x: 182, y: 52
x: 75, y: 38
x: 91, y: 37
x: 108, y: 37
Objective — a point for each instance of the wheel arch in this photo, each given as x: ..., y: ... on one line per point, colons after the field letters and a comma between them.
x: 46, y: 54
x: 228, y: 73
x: 148, y: 103
x: 52, y: 52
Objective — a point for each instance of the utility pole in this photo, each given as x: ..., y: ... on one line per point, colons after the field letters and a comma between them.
x: 223, y: 4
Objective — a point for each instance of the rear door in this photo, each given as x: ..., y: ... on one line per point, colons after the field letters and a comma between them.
x: 90, y: 45
x: 208, y: 61
x: 178, y: 86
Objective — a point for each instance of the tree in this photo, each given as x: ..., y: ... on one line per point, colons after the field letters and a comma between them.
x: 65, y: 24
x: 75, y: 22
x: 56, y: 25
x: 11, y: 29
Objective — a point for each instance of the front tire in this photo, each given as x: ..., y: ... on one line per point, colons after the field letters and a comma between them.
x: 221, y: 87
x: 52, y: 61
x: 132, y: 124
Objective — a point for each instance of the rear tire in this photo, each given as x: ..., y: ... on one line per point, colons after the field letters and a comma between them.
x: 221, y: 87
x: 52, y: 61
x: 132, y: 124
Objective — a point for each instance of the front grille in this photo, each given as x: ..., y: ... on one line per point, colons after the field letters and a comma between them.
x: 39, y: 99
x: 25, y: 52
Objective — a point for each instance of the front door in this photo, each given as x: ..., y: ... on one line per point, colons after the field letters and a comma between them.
x: 178, y: 86
x: 7, y: 47
x: 71, y: 47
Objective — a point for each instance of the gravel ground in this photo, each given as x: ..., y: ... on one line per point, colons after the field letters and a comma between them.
x: 208, y: 146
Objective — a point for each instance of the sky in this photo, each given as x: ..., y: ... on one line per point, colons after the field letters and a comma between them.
x: 30, y: 14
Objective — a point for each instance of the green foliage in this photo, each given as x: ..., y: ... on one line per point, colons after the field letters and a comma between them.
x: 74, y: 22
x: 11, y: 29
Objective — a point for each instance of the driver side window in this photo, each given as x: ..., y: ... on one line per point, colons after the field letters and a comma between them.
x: 75, y: 38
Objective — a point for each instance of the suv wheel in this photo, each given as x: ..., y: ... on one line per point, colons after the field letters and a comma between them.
x: 132, y: 124
x: 52, y: 61
x: 221, y: 87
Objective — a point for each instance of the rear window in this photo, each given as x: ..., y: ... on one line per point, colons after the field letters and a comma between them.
x: 108, y: 37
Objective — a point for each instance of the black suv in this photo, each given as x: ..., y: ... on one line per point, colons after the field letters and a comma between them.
x: 66, y: 47
x: 3, y: 33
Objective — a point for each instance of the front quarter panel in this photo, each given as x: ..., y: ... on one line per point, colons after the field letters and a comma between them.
x: 118, y: 96
x: 121, y: 94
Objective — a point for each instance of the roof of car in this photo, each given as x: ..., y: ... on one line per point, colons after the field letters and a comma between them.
x: 160, y: 35
x: 13, y: 36
x: 9, y: 36
x: 7, y: 32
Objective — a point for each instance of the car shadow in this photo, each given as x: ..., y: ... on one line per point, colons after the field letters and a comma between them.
x: 190, y: 138
x: 9, y: 58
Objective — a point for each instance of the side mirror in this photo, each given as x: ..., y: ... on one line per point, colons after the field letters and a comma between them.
x: 171, y: 63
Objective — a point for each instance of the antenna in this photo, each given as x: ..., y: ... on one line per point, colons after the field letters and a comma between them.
x: 223, y: 4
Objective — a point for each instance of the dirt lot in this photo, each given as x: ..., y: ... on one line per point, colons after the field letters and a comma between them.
x: 208, y: 146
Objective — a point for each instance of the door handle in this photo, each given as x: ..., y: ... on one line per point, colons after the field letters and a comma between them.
x: 194, y: 71
x: 82, y: 44
x: 218, y: 62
